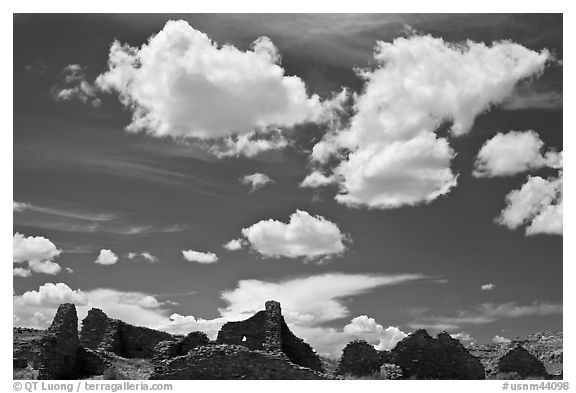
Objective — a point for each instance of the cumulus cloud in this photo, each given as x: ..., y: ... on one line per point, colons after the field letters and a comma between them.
x: 36, y: 308
x: 304, y: 236
x: 512, y: 153
x: 182, y: 84
x: 374, y: 333
x: 248, y: 145
x: 38, y: 252
x: 106, y: 257
x: 234, y: 245
x: 46, y: 267
x: 144, y: 255
x: 256, y: 180
x: 74, y: 86
x: 488, y: 287
x: 33, y: 248
x: 389, y: 155
x: 21, y: 272
x: 500, y: 340
x: 538, y: 204
x: 462, y: 336
x: 200, y: 257
x: 317, y: 179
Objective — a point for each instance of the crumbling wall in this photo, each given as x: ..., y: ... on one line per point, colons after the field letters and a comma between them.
x: 59, y: 345
x: 250, y: 333
x: 267, y: 330
x: 100, y: 332
x: 226, y: 361
x: 26, y: 344
x: 520, y: 361
x: 139, y: 342
x: 112, y: 335
x: 421, y: 356
x: 298, y: 351
x: 359, y: 359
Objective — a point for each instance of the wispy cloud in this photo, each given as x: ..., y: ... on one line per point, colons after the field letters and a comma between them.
x: 529, y: 99
x: 485, y: 313
x: 74, y: 219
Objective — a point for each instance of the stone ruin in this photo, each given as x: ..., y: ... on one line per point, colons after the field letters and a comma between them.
x: 260, y: 347
x: 359, y: 359
x: 423, y: 357
x: 113, y: 335
x: 170, y: 349
x: 59, y: 346
x: 63, y: 354
x: 266, y: 330
x: 519, y: 360
x: 231, y: 361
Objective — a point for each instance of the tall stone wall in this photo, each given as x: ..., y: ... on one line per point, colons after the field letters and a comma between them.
x: 59, y: 345
x: 267, y: 330
x: 112, y: 335
x: 250, y: 333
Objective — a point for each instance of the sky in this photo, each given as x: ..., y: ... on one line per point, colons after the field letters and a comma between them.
x: 375, y: 173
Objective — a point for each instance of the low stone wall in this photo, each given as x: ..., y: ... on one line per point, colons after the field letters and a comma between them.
x: 112, y: 335
x: 519, y: 360
x: 359, y: 359
x: 421, y: 356
x: 225, y: 361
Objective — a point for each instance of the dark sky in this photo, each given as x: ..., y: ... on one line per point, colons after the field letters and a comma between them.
x: 71, y: 157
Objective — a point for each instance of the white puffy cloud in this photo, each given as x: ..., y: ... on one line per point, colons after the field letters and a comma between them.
x: 200, y: 257
x: 500, y: 339
x: 304, y: 236
x: 248, y: 145
x: 368, y: 329
x: 145, y: 255
x: 488, y: 287
x: 52, y: 295
x: 256, y: 180
x: 538, y: 203
x: 182, y: 84
x: 38, y: 252
x: 512, y: 153
x: 106, y: 257
x: 33, y: 248
x: 390, y: 155
x: 317, y: 179
x: 462, y: 336
x: 21, y: 272
x: 184, y: 324
x: 36, y: 308
x: 46, y: 267
x: 234, y: 245
x: 74, y: 86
